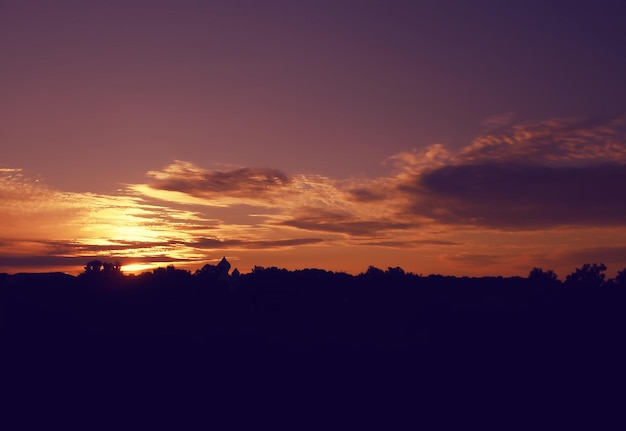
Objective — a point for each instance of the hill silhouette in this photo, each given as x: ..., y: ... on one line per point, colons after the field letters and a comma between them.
x: 312, y: 347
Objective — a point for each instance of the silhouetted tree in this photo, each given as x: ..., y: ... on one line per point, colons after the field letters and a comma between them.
x: 106, y: 268
x: 207, y: 273
x: 372, y: 271
x: 111, y: 269
x: 539, y: 276
x: 171, y: 274
x: 590, y: 275
x: 212, y: 273
x: 396, y: 271
x: 620, y: 278
x: 93, y: 266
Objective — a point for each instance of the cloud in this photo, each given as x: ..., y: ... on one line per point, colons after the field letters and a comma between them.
x: 408, y: 244
x: 306, y: 202
x: 498, y: 121
x: 550, y: 141
x: 343, y: 223
x: 81, y: 248
x: 366, y: 195
x: 507, y: 195
x: 185, y: 177
x: 51, y: 261
x: 411, y: 162
x: 475, y: 259
x: 38, y: 261
x: 214, y: 243
x: 183, y: 183
x: 36, y: 220
x: 555, y: 173
x: 15, y: 186
x: 579, y: 256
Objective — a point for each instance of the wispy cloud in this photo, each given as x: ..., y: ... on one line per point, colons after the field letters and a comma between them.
x: 578, y: 256
x: 305, y: 202
x: 343, y: 223
x: 214, y: 243
x: 473, y: 259
x: 498, y: 121
x: 50, y: 262
x: 244, y: 183
x: 366, y: 195
x: 550, y: 141
x: 409, y: 244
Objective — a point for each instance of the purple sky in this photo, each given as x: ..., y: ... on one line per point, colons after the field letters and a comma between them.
x: 95, y: 96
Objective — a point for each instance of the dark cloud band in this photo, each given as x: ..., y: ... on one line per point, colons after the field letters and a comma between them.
x: 508, y: 195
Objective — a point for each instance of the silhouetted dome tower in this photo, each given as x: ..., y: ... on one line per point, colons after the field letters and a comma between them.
x: 223, y: 267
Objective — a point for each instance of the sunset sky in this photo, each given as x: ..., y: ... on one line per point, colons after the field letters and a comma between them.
x: 452, y: 137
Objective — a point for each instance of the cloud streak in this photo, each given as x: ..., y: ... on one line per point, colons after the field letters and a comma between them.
x: 409, y: 244
x: 214, y: 243
x: 250, y: 183
x: 507, y: 195
x: 552, y: 141
x: 343, y: 223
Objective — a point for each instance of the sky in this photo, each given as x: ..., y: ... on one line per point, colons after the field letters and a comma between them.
x: 452, y: 137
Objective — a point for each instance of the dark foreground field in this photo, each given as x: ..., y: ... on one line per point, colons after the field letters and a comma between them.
x: 312, y: 349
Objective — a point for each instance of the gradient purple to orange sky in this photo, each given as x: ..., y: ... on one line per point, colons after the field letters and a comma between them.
x: 453, y: 137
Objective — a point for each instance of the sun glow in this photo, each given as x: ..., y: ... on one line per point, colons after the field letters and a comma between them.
x: 135, y: 268
x: 134, y: 233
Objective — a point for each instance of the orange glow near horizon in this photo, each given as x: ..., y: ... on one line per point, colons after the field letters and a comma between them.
x: 263, y: 217
x: 137, y: 268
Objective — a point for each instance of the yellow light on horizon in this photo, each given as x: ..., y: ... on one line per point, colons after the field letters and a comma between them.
x: 138, y: 267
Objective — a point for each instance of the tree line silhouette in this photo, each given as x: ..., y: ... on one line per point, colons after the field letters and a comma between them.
x: 589, y: 275
x: 512, y: 352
